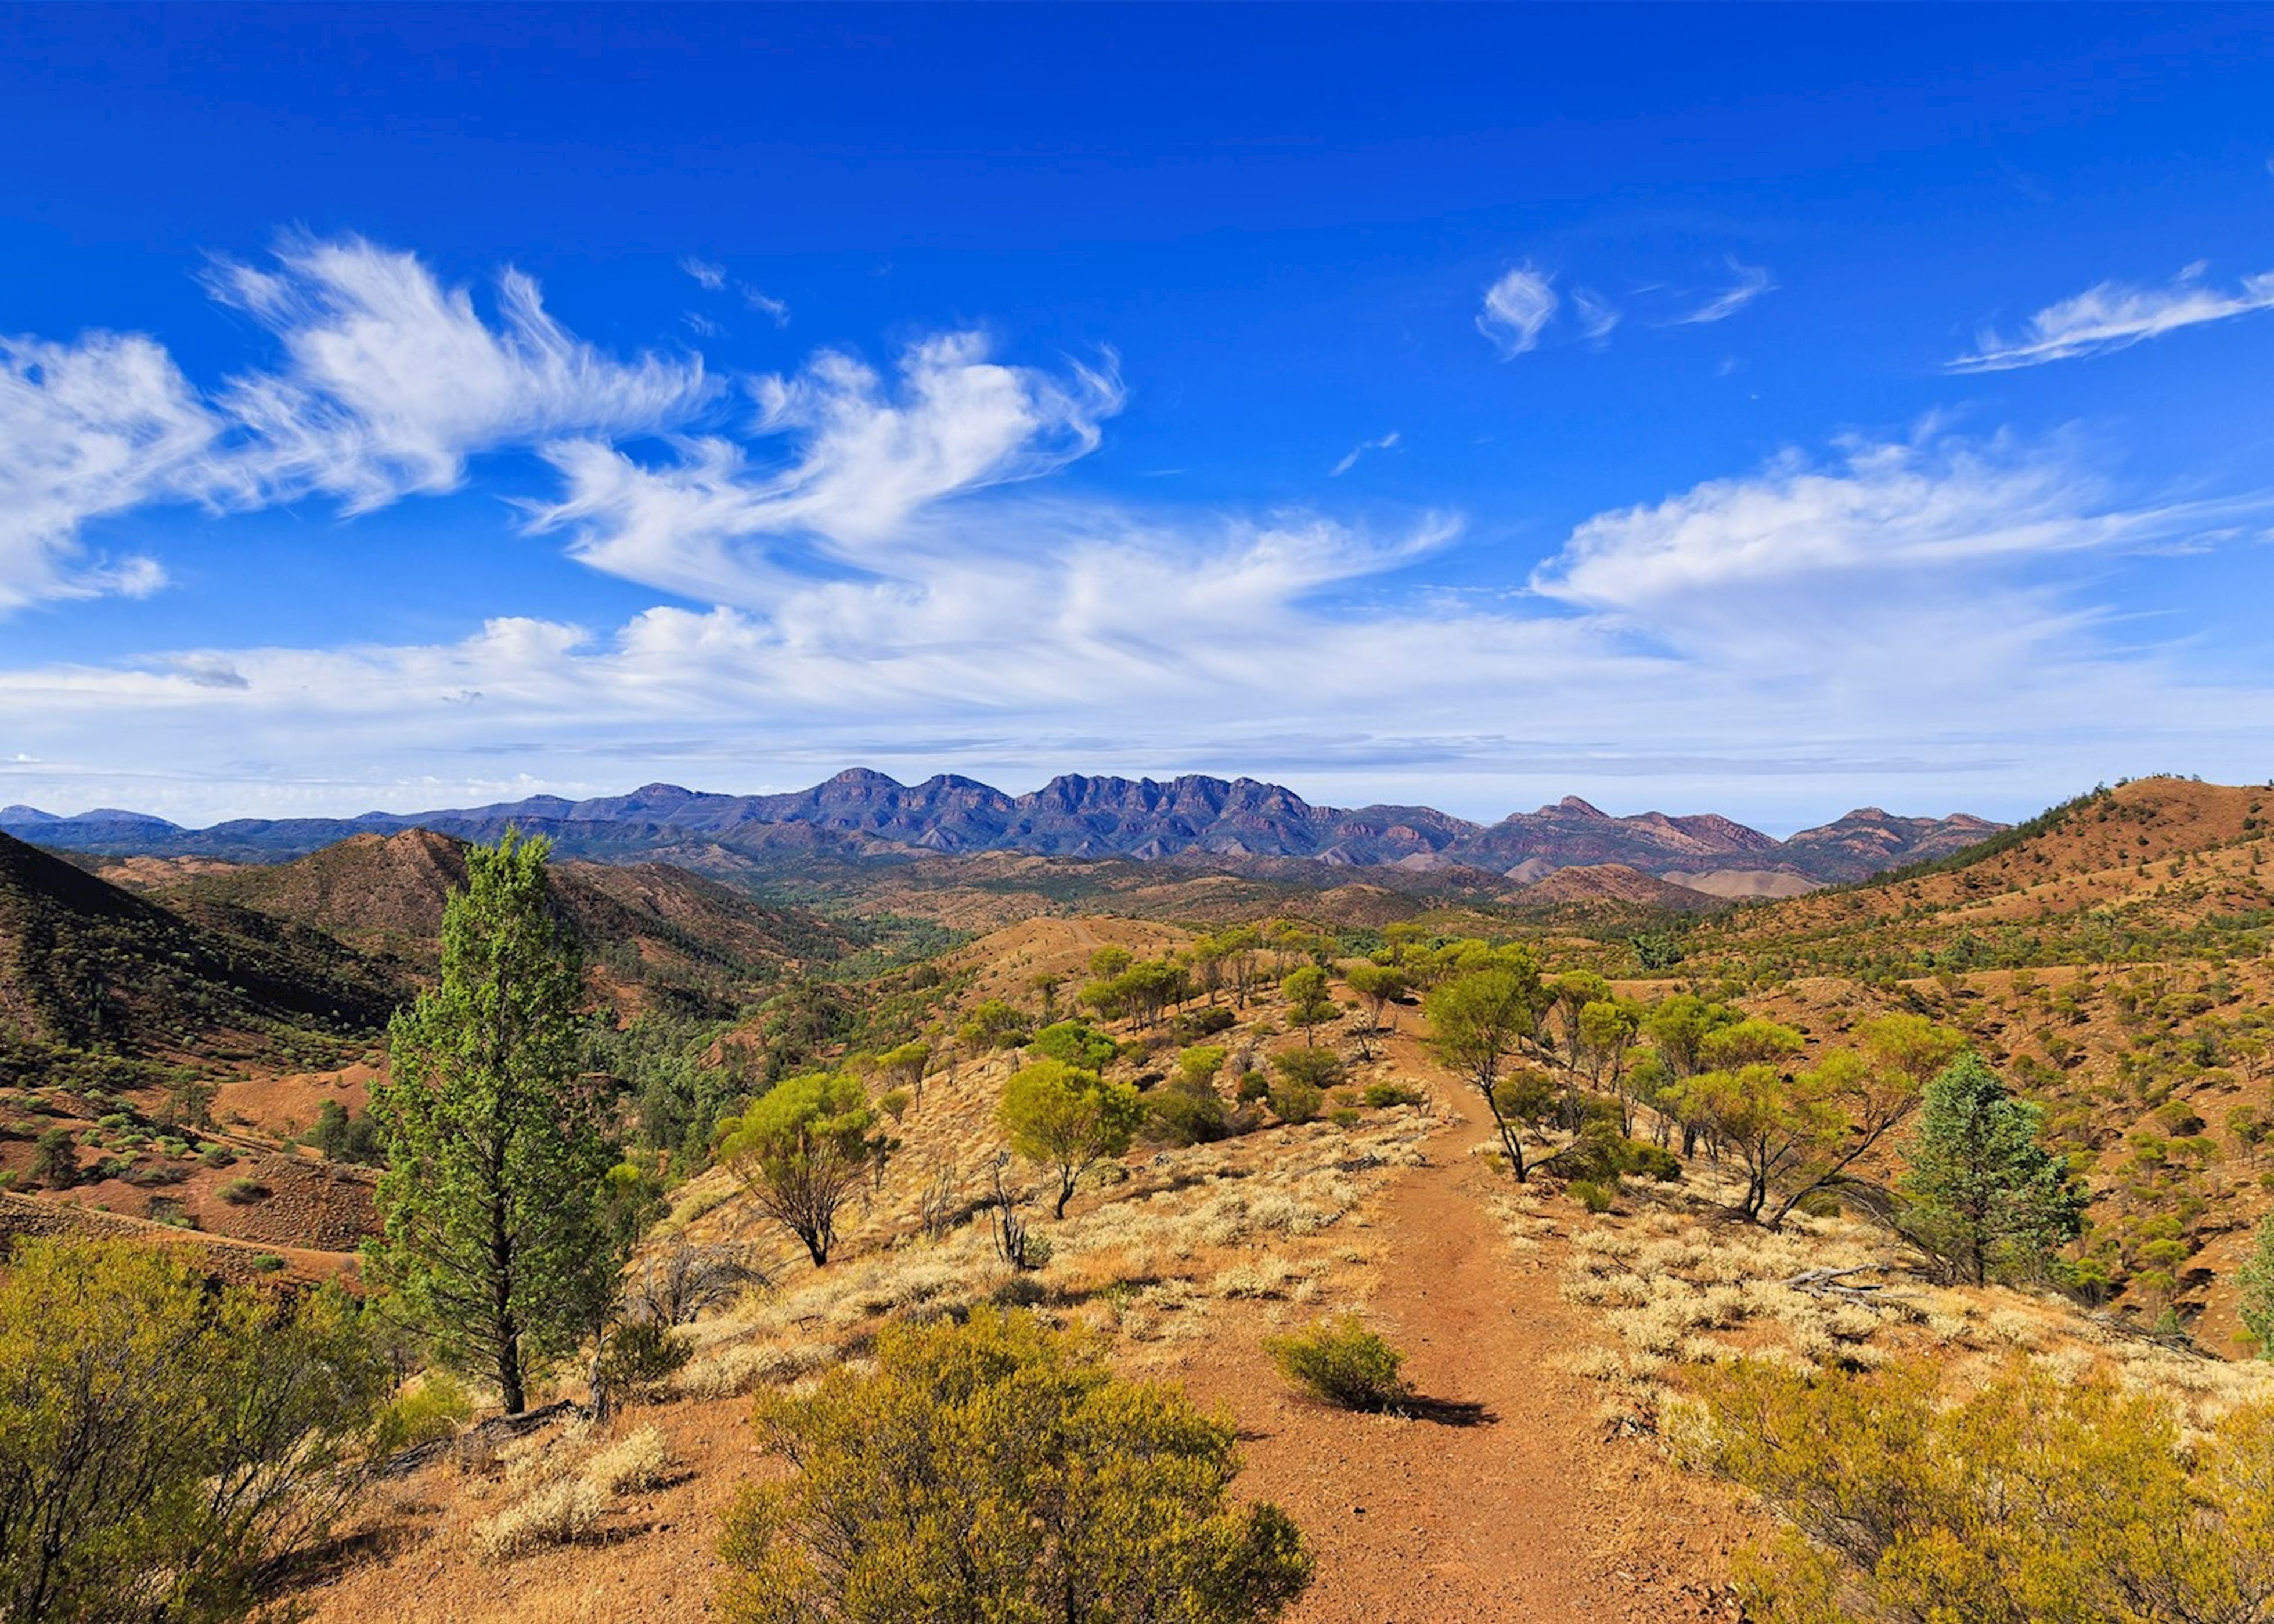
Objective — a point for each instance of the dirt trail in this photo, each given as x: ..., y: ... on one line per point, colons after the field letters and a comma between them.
x: 1500, y: 1501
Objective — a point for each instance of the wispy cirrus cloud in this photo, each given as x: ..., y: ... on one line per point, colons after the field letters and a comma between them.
x: 709, y: 274
x: 389, y: 383
x: 2113, y: 315
x: 1517, y: 310
x: 1748, y: 283
x: 88, y: 429
x: 1350, y: 458
x: 865, y: 456
x: 393, y: 380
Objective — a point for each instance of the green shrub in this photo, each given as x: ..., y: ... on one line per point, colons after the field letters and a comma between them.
x: 1596, y: 1197
x: 436, y: 1407
x: 1253, y: 1085
x: 1295, y: 1102
x: 265, y: 1263
x: 2036, y: 1495
x: 1343, y: 1363
x: 244, y: 1191
x: 1074, y: 1043
x: 1181, y: 1114
x: 1000, y: 1470
x: 165, y: 1443
x: 1345, y: 1117
x: 641, y: 1355
x: 1204, y: 1021
x: 1382, y: 1095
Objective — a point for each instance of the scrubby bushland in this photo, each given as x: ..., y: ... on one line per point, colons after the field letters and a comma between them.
x: 2036, y: 1498
x: 999, y: 1470
x: 163, y: 1445
x: 1343, y: 1363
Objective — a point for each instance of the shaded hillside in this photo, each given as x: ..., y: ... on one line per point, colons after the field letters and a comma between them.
x: 863, y: 816
x: 84, y: 964
x: 642, y: 926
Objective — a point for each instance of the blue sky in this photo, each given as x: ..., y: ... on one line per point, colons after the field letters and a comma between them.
x: 1767, y: 411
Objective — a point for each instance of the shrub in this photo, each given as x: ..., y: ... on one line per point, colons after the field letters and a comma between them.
x: 640, y: 1355
x: 436, y: 1407
x: 1179, y: 1114
x: 1204, y: 1021
x: 1317, y: 1069
x: 1253, y: 1085
x: 2037, y: 1496
x: 1343, y: 1363
x: 266, y: 1263
x: 1074, y: 1043
x: 635, y: 1463
x: 558, y: 1513
x: 1345, y: 1116
x: 1295, y: 1102
x: 1596, y: 1197
x: 164, y: 1442
x: 244, y: 1191
x: 998, y: 1470
x: 1382, y: 1095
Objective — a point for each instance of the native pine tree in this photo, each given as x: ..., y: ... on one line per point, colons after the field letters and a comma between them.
x: 1986, y: 1194
x: 493, y: 1239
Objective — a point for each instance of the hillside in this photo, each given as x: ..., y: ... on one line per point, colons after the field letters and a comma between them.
x: 865, y: 816
x: 2155, y: 867
x: 642, y: 926
x: 84, y: 964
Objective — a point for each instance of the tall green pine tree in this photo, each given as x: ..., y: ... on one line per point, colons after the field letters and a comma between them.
x: 1986, y: 1197
x: 493, y: 1239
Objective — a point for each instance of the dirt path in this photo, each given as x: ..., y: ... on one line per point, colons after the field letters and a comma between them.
x: 1500, y: 1501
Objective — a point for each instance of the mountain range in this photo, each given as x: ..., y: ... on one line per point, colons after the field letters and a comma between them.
x: 865, y: 816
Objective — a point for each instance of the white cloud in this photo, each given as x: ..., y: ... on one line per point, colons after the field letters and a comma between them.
x: 2115, y: 317
x: 1349, y: 460
x: 1517, y: 308
x: 1750, y: 281
x: 864, y: 459
x: 1818, y: 633
x: 758, y: 299
x: 1597, y: 316
x: 87, y: 430
x: 709, y: 274
x: 393, y: 380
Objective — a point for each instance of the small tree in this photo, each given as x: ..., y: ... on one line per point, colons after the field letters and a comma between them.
x: 1986, y: 1194
x: 1477, y: 1020
x: 1065, y: 1120
x: 1381, y: 985
x: 54, y: 1159
x: 1303, y: 1077
x: 1197, y: 1067
x: 1795, y: 1134
x: 1307, y: 1002
x: 495, y: 1151
x: 903, y: 1067
x: 1077, y: 1043
x: 994, y: 1024
x: 801, y: 1150
x: 999, y: 1471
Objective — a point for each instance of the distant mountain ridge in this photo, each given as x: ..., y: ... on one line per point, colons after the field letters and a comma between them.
x: 861, y: 815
